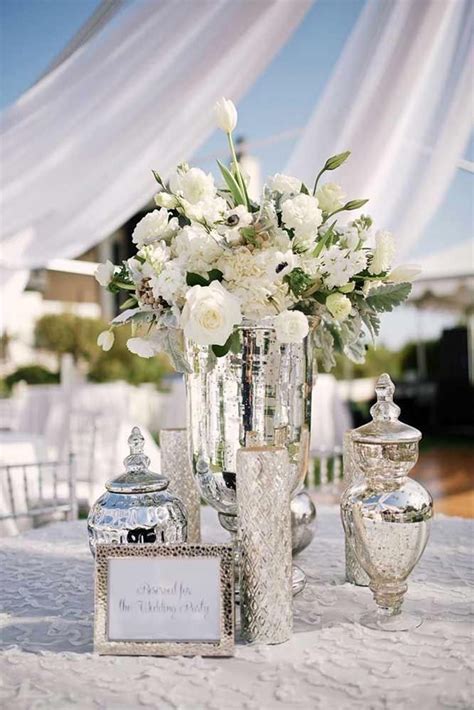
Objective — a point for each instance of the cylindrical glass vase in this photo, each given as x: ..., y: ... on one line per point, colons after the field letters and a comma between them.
x: 176, y: 466
x: 264, y: 536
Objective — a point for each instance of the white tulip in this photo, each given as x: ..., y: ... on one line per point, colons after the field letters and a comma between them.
x: 226, y: 115
x: 105, y: 340
x: 339, y: 306
x: 105, y: 273
x: 403, y: 273
x: 291, y: 326
x: 209, y: 314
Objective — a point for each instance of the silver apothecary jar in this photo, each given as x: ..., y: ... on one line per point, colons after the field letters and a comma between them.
x: 136, y: 507
x: 386, y: 515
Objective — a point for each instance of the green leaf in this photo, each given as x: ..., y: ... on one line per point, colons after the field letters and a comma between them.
x: 232, y: 184
x: 324, y: 239
x: 173, y: 345
x: 304, y: 189
x: 385, y: 297
x: 324, y: 342
x: 336, y: 161
x: 215, y: 275
x: 158, y: 178
x: 354, y: 204
x: 221, y: 350
x: 129, y: 303
x: 298, y: 281
x: 196, y: 279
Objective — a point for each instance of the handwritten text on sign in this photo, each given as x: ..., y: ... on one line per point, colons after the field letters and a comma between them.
x: 164, y: 599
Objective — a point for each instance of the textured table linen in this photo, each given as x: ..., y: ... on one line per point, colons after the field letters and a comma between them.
x: 47, y: 660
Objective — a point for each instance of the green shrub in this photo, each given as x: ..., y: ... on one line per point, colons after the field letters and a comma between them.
x: 32, y: 375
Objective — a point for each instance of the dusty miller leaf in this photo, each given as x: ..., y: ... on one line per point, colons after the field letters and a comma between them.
x: 384, y: 298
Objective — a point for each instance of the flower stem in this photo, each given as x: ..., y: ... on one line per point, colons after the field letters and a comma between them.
x: 317, y: 180
x: 238, y: 175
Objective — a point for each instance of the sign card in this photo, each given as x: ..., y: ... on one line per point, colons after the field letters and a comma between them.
x: 164, y: 600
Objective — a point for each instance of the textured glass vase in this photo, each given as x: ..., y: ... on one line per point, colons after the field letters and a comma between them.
x: 259, y: 394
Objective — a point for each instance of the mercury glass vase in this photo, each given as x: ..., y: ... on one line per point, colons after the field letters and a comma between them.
x: 259, y: 394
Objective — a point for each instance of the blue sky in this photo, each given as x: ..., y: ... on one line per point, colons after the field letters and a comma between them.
x: 35, y: 31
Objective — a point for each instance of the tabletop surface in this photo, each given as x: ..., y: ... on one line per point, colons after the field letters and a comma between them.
x: 47, y: 659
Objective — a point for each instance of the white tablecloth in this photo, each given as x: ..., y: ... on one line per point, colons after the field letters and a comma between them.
x: 47, y: 659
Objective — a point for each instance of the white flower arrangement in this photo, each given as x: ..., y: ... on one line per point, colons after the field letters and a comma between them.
x: 209, y: 258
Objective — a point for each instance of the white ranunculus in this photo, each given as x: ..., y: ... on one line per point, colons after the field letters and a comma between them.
x: 210, y: 210
x: 285, y: 184
x: 330, y: 197
x: 302, y: 214
x: 144, y: 347
x: 339, y: 306
x: 226, y: 115
x: 210, y: 314
x: 291, y: 326
x: 193, y: 185
x: 383, y: 253
x: 164, y: 199
x: 403, y: 273
x: 154, y: 226
x: 105, y: 340
x: 196, y: 249
x: 104, y: 273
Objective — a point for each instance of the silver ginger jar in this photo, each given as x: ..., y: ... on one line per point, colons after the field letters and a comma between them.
x: 136, y: 507
x: 386, y: 515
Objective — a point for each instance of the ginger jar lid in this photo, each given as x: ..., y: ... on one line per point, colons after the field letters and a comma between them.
x: 137, y: 477
x: 385, y: 427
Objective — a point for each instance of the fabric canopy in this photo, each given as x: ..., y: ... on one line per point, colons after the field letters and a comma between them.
x: 400, y: 99
x: 78, y: 148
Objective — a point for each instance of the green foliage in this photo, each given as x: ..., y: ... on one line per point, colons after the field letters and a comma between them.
x: 68, y: 333
x: 298, y: 281
x: 32, y: 375
x: 377, y: 359
x: 198, y: 280
x: 386, y: 297
x: 355, y: 204
x: 335, y: 161
x: 232, y: 184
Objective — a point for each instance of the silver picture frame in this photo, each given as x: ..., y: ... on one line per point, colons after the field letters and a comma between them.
x: 103, y: 645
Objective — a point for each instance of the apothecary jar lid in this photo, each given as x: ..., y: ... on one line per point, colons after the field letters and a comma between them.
x: 137, y: 477
x: 385, y: 427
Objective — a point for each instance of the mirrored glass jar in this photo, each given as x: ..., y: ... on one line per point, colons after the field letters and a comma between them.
x: 386, y: 515
x: 136, y: 507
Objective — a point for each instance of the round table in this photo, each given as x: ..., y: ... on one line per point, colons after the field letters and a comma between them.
x: 47, y: 659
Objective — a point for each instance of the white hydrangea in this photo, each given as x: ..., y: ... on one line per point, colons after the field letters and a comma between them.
x: 339, y: 265
x: 241, y: 264
x: 196, y: 248
x: 193, y: 185
x: 285, y: 184
x: 154, y: 226
x: 302, y: 214
x: 383, y: 253
x: 330, y: 197
x: 171, y: 285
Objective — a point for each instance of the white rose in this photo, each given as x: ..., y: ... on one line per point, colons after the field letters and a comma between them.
x: 302, y: 214
x: 330, y: 197
x: 154, y: 226
x: 284, y: 184
x: 193, y: 185
x: 164, y: 199
x: 105, y: 340
x: 383, y: 253
x: 291, y: 326
x: 144, y: 347
x: 406, y: 272
x: 339, y: 306
x: 210, y: 314
x: 105, y: 273
x: 226, y: 115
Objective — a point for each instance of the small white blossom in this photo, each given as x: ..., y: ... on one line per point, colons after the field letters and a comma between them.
x: 406, y: 272
x: 339, y: 306
x: 383, y: 253
x: 105, y: 340
x: 210, y: 314
x: 339, y: 265
x: 144, y: 347
x: 350, y: 237
x: 302, y: 214
x: 291, y: 326
x: 193, y: 185
x: 225, y: 114
x: 285, y: 184
x: 154, y: 226
x: 330, y: 197
x: 164, y: 199
x: 104, y: 273
x: 170, y: 285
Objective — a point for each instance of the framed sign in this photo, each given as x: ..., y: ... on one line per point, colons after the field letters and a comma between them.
x: 164, y: 600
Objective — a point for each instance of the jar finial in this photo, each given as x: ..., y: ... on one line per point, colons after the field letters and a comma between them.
x: 385, y: 408
x: 136, y: 441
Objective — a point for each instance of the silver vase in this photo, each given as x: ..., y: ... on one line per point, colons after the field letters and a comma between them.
x: 259, y: 394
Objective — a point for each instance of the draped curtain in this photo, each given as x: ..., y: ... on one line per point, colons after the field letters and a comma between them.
x: 78, y: 148
x: 401, y: 99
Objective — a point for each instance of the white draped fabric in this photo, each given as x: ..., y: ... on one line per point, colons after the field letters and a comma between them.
x: 400, y: 98
x: 78, y: 148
